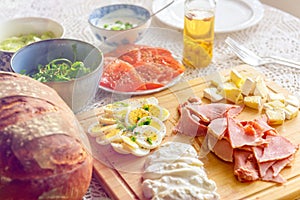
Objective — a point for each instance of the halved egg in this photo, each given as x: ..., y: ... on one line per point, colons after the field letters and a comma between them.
x: 109, y: 134
x: 119, y: 147
x: 116, y: 110
x: 153, y: 109
x: 134, y: 115
x: 165, y: 114
x: 147, y: 136
x: 140, y: 151
x: 154, y: 122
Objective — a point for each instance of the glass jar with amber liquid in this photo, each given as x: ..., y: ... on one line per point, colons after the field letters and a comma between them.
x: 198, y: 32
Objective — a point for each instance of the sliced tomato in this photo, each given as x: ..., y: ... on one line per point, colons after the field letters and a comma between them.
x: 121, y: 76
x: 139, y: 67
x: 151, y: 86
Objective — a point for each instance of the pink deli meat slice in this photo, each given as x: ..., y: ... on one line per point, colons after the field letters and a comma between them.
x: 217, y: 127
x: 271, y: 178
x: 189, y: 124
x: 214, y: 111
x: 278, y: 148
x: 245, y: 168
x: 223, y: 150
x: 238, y: 137
x: 280, y: 164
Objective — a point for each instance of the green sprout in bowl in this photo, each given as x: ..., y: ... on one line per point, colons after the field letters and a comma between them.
x: 119, y: 25
x: 60, y: 69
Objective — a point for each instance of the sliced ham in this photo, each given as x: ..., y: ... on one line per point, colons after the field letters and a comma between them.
x: 256, y: 149
x: 263, y: 167
x: 269, y: 176
x: 280, y: 164
x: 238, y: 137
x: 278, y: 148
x: 215, y: 110
x: 244, y: 168
x: 217, y: 127
x: 223, y: 150
x: 189, y: 125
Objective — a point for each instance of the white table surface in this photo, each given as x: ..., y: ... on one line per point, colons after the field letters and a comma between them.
x: 276, y: 34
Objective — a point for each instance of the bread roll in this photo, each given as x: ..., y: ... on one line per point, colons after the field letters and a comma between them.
x: 44, y: 153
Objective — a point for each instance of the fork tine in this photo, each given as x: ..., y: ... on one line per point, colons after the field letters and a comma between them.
x: 241, y: 47
x: 242, y: 52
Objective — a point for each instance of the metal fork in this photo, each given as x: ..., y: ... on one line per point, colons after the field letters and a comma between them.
x: 251, y: 58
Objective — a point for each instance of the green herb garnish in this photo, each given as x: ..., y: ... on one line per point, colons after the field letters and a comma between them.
x: 146, y: 122
x: 119, y: 25
x: 149, y: 140
x: 130, y: 128
x: 146, y: 107
x: 133, y: 138
x: 60, y: 69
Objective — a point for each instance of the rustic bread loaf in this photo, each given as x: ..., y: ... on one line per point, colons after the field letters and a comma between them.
x: 43, y: 154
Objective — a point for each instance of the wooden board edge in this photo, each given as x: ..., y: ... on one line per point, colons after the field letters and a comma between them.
x: 121, y: 189
x: 292, y: 186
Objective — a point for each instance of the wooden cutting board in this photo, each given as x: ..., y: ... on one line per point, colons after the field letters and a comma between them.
x: 120, y: 175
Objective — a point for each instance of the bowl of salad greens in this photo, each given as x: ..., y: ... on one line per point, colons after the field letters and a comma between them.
x: 71, y: 67
x: 19, y: 32
x: 118, y: 19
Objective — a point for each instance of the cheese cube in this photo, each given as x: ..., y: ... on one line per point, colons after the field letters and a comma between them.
x: 233, y: 94
x: 226, y: 85
x: 261, y: 88
x: 236, y: 78
x: 290, y: 112
x: 276, y: 96
x: 248, y: 86
x: 275, y: 117
x: 212, y: 94
x: 274, y: 105
x: 254, y: 102
x: 292, y: 100
x: 217, y: 80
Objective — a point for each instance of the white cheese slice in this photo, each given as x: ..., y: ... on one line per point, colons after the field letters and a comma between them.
x: 290, y: 111
x: 212, y: 94
x: 276, y: 96
x: 292, y: 100
x: 248, y: 86
x: 261, y: 88
x: 254, y: 102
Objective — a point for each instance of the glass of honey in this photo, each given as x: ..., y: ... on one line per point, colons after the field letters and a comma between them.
x: 198, y: 32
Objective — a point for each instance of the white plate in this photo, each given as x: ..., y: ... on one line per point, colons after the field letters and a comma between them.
x: 231, y: 15
x: 144, y: 92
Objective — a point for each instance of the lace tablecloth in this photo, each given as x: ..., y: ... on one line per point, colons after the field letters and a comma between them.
x: 276, y: 34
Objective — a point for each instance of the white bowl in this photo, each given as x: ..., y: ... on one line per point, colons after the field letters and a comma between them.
x: 134, y: 14
x: 78, y: 92
x: 24, y: 26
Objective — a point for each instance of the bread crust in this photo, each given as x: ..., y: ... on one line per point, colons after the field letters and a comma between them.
x: 42, y: 155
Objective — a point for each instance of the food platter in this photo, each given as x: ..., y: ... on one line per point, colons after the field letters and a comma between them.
x: 153, y: 37
x: 144, y: 92
x: 231, y: 15
x: 122, y: 177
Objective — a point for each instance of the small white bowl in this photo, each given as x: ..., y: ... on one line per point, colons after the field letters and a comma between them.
x: 107, y: 15
x: 24, y: 26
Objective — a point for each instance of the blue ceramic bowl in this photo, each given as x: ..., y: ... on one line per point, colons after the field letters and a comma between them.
x: 77, y: 93
x: 108, y: 15
x: 23, y: 26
